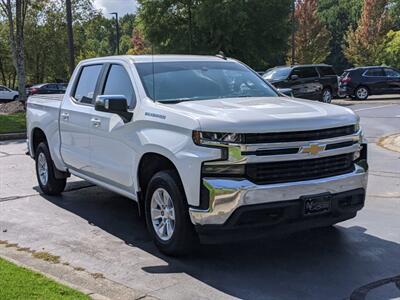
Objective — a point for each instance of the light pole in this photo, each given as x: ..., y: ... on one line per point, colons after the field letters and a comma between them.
x: 117, y: 27
x: 293, y: 33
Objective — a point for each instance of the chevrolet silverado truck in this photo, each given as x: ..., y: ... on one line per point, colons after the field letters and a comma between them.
x: 209, y: 150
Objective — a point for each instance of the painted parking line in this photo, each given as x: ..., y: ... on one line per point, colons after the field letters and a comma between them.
x: 375, y: 107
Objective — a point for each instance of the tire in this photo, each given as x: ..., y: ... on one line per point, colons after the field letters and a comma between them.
x: 361, y: 93
x: 48, y: 183
x: 176, y: 237
x: 326, y: 96
x: 15, y: 98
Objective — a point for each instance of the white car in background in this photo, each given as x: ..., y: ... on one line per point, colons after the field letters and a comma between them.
x: 7, y: 94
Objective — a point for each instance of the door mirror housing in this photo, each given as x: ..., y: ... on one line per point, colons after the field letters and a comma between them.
x: 294, y: 77
x: 286, y: 92
x: 114, y: 104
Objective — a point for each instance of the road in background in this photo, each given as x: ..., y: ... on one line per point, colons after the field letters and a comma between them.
x: 101, y: 232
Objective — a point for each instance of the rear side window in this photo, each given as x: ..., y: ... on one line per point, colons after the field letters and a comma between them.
x: 392, y: 73
x: 374, y: 73
x: 326, y: 71
x: 86, y: 85
x: 119, y: 83
x: 51, y: 86
x: 305, y: 72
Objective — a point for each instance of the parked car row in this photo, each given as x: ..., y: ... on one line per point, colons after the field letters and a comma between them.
x: 320, y: 82
x: 47, y: 88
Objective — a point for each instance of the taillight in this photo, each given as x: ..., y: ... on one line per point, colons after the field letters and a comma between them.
x: 345, y: 79
x: 33, y: 91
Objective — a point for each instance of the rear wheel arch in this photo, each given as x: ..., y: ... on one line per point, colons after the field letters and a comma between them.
x: 38, y: 136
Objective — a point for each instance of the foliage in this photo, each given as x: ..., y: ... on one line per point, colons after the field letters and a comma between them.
x: 253, y: 31
x: 311, y: 37
x: 20, y: 283
x: 139, y: 44
x: 338, y: 16
x: 391, y: 54
x: 364, y: 45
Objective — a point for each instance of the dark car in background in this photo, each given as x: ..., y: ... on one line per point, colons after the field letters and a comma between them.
x: 47, y: 88
x: 314, y: 82
x: 361, y: 82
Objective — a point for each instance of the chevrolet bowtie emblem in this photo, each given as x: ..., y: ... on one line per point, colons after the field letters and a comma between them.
x: 313, y: 149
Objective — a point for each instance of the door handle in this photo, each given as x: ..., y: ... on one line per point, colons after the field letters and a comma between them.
x: 96, y: 122
x: 65, y: 116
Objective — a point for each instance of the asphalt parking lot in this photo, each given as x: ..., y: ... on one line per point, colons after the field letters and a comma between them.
x: 101, y: 232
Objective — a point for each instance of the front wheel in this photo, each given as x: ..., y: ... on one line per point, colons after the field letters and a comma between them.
x: 362, y: 93
x: 326, y: 95
x: 167, y: 214
x: 48, y: 183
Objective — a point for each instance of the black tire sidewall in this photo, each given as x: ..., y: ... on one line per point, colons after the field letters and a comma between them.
x: 54, y: 186
x: 181, y: 239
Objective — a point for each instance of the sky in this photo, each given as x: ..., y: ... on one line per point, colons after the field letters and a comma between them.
x: 122, y: 7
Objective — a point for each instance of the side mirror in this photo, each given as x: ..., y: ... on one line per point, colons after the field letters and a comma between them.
x: 286, y: 92
x: 294, y: 77
x: 115, y: 104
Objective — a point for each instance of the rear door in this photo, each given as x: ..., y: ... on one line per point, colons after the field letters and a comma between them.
x: 112, y: 159
x: 75, y: 114
x: 308, y: 84
x: 392, y: 80
x: 375, y: 80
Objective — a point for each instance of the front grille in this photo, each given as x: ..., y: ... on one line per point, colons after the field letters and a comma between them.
x: 299, y: 170
x: 312, y: 135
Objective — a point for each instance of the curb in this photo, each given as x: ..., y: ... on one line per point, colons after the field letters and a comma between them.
x: 390, y: 142
x: 96, y: 289
x: 12, y: 136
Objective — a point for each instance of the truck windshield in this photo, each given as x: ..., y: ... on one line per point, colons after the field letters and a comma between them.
x: 277, y: 74
x: 199, y: 80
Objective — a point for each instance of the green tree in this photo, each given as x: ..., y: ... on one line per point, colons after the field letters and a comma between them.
x: 311, y: 37
x: 255, y: 32
x: 391, y: 54
x: 338, y: 16
x: 364, y: 45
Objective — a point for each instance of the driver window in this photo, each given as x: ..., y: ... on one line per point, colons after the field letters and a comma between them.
x: 119, y: 83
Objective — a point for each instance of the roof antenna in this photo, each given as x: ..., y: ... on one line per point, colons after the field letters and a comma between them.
x: 152, y: 66
x: 222, y: 55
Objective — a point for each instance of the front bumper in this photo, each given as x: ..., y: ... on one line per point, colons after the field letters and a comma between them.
x: 228, y: 195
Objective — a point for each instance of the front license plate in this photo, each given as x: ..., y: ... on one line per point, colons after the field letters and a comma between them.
x: 316, y: 205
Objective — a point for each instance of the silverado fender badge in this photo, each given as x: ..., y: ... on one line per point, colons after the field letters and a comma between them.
x: 149, y: 114
x: 312, y: 149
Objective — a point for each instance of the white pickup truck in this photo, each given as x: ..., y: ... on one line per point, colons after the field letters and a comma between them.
x: 205, y: 146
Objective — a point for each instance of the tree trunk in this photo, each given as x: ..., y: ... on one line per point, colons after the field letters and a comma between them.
x: 70, y: 37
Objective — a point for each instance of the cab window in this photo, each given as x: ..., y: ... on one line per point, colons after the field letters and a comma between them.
x: 306, y: 72
x: 86, y: 85
x: 119, y: 83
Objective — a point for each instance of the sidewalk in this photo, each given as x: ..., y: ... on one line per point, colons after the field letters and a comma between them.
x: 391, y: 142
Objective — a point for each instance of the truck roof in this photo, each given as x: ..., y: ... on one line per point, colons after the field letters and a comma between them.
x: 156, y: 58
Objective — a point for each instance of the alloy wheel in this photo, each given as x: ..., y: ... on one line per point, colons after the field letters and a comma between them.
x: 162, y: 214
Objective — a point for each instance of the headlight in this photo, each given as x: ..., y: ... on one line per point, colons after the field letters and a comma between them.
x: 215, y: 138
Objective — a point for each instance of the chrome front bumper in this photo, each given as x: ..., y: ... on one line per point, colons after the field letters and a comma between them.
x: 226, y: 195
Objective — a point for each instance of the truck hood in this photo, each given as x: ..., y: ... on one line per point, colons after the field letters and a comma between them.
x: 266, y: 114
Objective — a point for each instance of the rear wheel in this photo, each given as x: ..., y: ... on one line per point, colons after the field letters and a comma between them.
x: 167, y: 214
x: 326, y: 95
x: 48, y: 183
x: 361, y: 93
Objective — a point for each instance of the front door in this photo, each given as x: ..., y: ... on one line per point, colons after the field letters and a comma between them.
x: 75, y: 114
x: 307, y: 85
x: 112, y: 155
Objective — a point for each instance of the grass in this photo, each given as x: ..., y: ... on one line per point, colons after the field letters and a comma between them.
x: 12, y: 123
x: 20, y: 283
